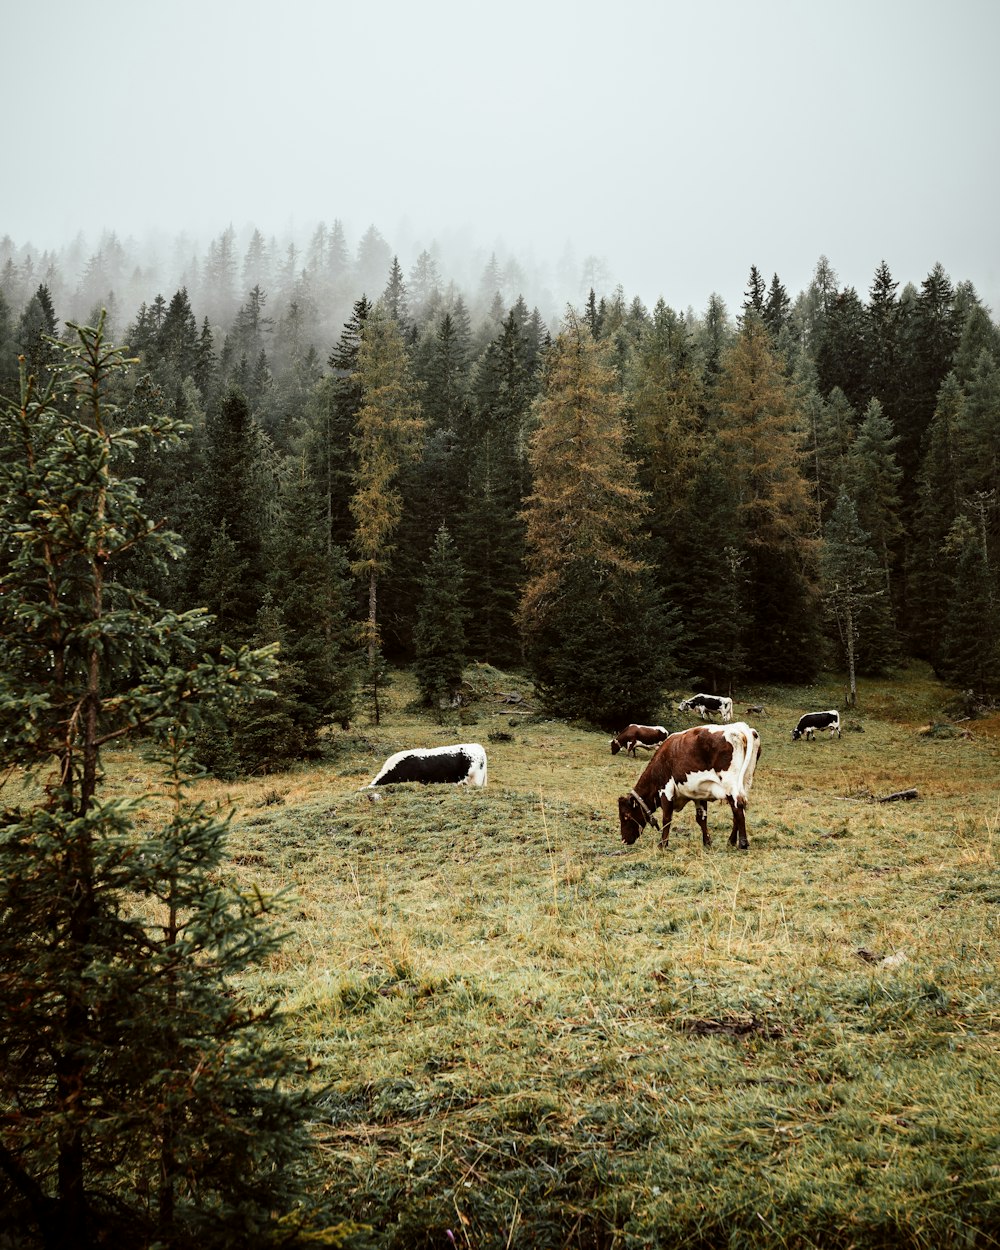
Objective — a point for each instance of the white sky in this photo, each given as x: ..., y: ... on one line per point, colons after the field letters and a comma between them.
x: 679, y: 140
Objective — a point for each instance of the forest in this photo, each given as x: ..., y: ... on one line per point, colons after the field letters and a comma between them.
x: 378, y: 468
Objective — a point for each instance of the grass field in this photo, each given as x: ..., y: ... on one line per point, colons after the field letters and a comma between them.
x: 529, y: 1035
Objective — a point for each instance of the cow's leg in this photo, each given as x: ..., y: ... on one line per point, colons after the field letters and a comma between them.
x: 739, y: 832
x: 701, y: 816
x: 667, y: 814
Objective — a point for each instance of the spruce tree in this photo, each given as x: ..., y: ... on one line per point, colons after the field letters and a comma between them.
x: 970, y: 643
x: 141, y: 1099
x: 490, y: 525
x: 873, y: 481
x: 439, y: 636
x: 229, y: 540
x: 855, y: 594
x: 938, y: 504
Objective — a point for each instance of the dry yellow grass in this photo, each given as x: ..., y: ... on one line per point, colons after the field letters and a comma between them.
x: 530, y: 1035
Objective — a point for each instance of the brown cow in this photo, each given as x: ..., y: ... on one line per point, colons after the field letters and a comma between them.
x: 698, y: 765
x: 648, y: 736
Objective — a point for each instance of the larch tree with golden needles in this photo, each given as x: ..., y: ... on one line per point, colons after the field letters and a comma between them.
x: 388, y: 433
x: 761, y: 447
x: 589, y: 616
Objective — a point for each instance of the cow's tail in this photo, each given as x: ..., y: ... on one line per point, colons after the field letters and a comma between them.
x: 750, y: 741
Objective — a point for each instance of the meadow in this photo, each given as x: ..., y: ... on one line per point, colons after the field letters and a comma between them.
x: 525, y: 1034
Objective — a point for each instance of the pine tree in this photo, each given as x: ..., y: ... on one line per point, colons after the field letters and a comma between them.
x: 439, y: 635
x: 884, y: 378
x: 929, y: 336
x: 938, y: 504
x: 842, y: 351
x: 588, y: 587
x: 141, y: 1099
x: 36, y: 324
x: 755, y: 294
x: 228, y: 560
x: 330, y: 415
x: 855, y: 594
x: 873, y: 481
x: 490, y: 528
x: 310, y: 584
x: 970, y: 643
x: 776, y: 308
x: 387, y: 435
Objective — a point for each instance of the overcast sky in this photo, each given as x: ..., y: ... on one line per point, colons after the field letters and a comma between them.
x: 679, y: 141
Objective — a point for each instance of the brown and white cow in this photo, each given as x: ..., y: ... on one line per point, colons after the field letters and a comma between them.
x: 699, y: 766
x: 647, y: 736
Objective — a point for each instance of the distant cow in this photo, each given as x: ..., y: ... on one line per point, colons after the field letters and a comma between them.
x: 462, y: 764
x: 647, y: 736
x: 708, y: 706
x: 813, y: 721
x: 696, y: 765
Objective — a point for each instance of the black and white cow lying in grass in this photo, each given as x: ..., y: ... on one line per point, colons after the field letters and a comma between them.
x: 714, y: 707
x: 813, y: 721
x: 461, y: 764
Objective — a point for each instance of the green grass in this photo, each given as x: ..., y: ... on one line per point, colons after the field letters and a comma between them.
x: 529, y: 1035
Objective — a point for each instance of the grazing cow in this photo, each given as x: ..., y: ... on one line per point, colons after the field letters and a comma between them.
x: 812, y: 721
x: 462, y: 764
x: 648, y: 736
x: 708, y: 706
x: 696, y: 765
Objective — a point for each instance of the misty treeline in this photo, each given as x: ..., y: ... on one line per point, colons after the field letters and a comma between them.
x: 621, y: 500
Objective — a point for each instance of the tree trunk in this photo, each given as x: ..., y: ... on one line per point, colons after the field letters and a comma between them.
x: 852, y: 697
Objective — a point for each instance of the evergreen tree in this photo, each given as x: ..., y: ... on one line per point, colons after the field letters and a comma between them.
x: 439, y: 636
x: 842, y: 350
x: 755, y: 294
x: 713, y: 649
x: 394, y: 299
x: 664, y: 393
x: 884, y: 378
x: 311, y: 584
x: 760, y: 448
x: 141, y: 1098
x: 330, y: 416
x: 372, y: 262
x: 713, y: 337
x: 855, y: 594
x: 929, y: 336
x: 229, y: 561
x: 35, y: 326
x: 874, y: 478
x: 387, y: 434
x: 776, y: 308
x: 490, y: 526
x: 970, y: 643
x: 938, y: 504
x: 588, y: 610
x: 425, y: 287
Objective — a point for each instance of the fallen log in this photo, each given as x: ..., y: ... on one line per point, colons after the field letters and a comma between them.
x: 900, y: 794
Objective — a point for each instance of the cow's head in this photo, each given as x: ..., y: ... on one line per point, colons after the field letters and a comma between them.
x: 616, y: 746
x: 631, y: 817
